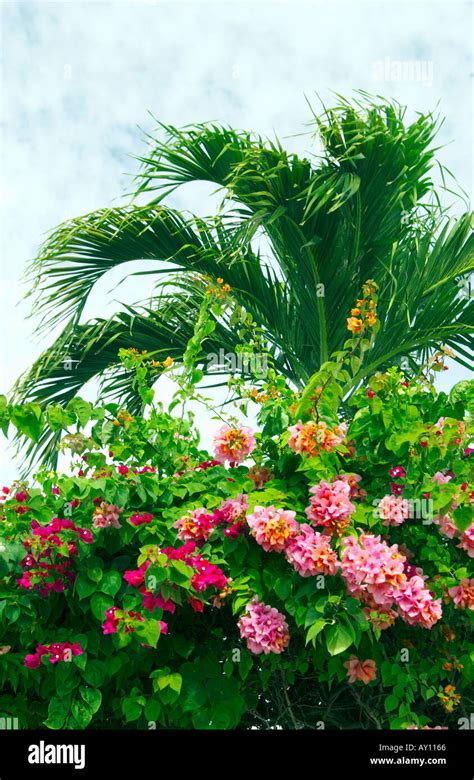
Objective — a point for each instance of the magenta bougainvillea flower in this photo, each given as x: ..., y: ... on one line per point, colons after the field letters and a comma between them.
x: 397, y: 471
x: 47, y: 566
x: 145, y: 518
x: 116, y: 617
x: 264, y: 628
x: 62, y: 651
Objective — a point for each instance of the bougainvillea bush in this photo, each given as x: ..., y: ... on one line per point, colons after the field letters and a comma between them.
x: 315, y: 572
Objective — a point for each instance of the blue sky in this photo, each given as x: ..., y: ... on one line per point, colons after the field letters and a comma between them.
x: 78, y: 80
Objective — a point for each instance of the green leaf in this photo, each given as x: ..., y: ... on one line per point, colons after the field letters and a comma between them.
x: 92, y: 698
x: 282, y: 587
x: 391, y: 703
x: 58, y: 710
x: 28, y: 419
x: 339, y: 638
x: 315, y: 629
x: 84, y: 586
x: 150, y: 631
x: 100, y: 603
x: 463, y: 516
x: 110, y: 582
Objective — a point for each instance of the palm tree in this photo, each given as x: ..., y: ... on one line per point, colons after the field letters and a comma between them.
x: 288, y: 229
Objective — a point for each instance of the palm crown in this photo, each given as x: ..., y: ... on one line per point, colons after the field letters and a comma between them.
x: 295, y: 238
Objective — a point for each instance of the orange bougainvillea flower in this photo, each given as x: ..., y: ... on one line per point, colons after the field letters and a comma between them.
x: 354, y: 324
x: 366, y: 671
x: 355, y: 312
x: 168, y: 362
x: 370, y: 319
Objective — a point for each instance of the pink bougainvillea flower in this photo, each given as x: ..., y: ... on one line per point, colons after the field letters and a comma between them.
x: 446, y: 526
x: 441, y: 478
x: 416, y: 605
x: 353, y: 481
x: 330, y: 505
x: 393, y: 510
x: 368, y: 564
x: 234, y: 508
x: 123, y: 470
x: 463, y: 594
x: 106, y: 516
x: 264, y: 628
x: 272, y: 528
x: 365, y: 671
x: 310, y: 553
x: 467, y: 541
x: 233, y: 444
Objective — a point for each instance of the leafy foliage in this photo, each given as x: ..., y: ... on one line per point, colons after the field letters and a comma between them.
x: 182, y: 663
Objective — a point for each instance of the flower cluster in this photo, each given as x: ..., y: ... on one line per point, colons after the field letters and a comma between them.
x: 264, y: 628
x: 449, y: 698
x: 370, y: 566
x: 416, y: 604
x: 463, y: 594
x: 363, y: 314
x: 50, y: 549
x: 106, y: 516
x: 272, y: 528
x: 310, y: 553
x: 233, y: 444
x: 330, y: 505
x: 449, y: 529
x: 62, y: 651
x: 313, y: 437
x: 393, y: 510
x: 232, y: 512
x: 206, y: 575
x: 145, y: 518
x: 196, y: 525
x: 116, y: 618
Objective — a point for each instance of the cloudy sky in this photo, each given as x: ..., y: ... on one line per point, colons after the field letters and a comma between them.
x: 78, y: 80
